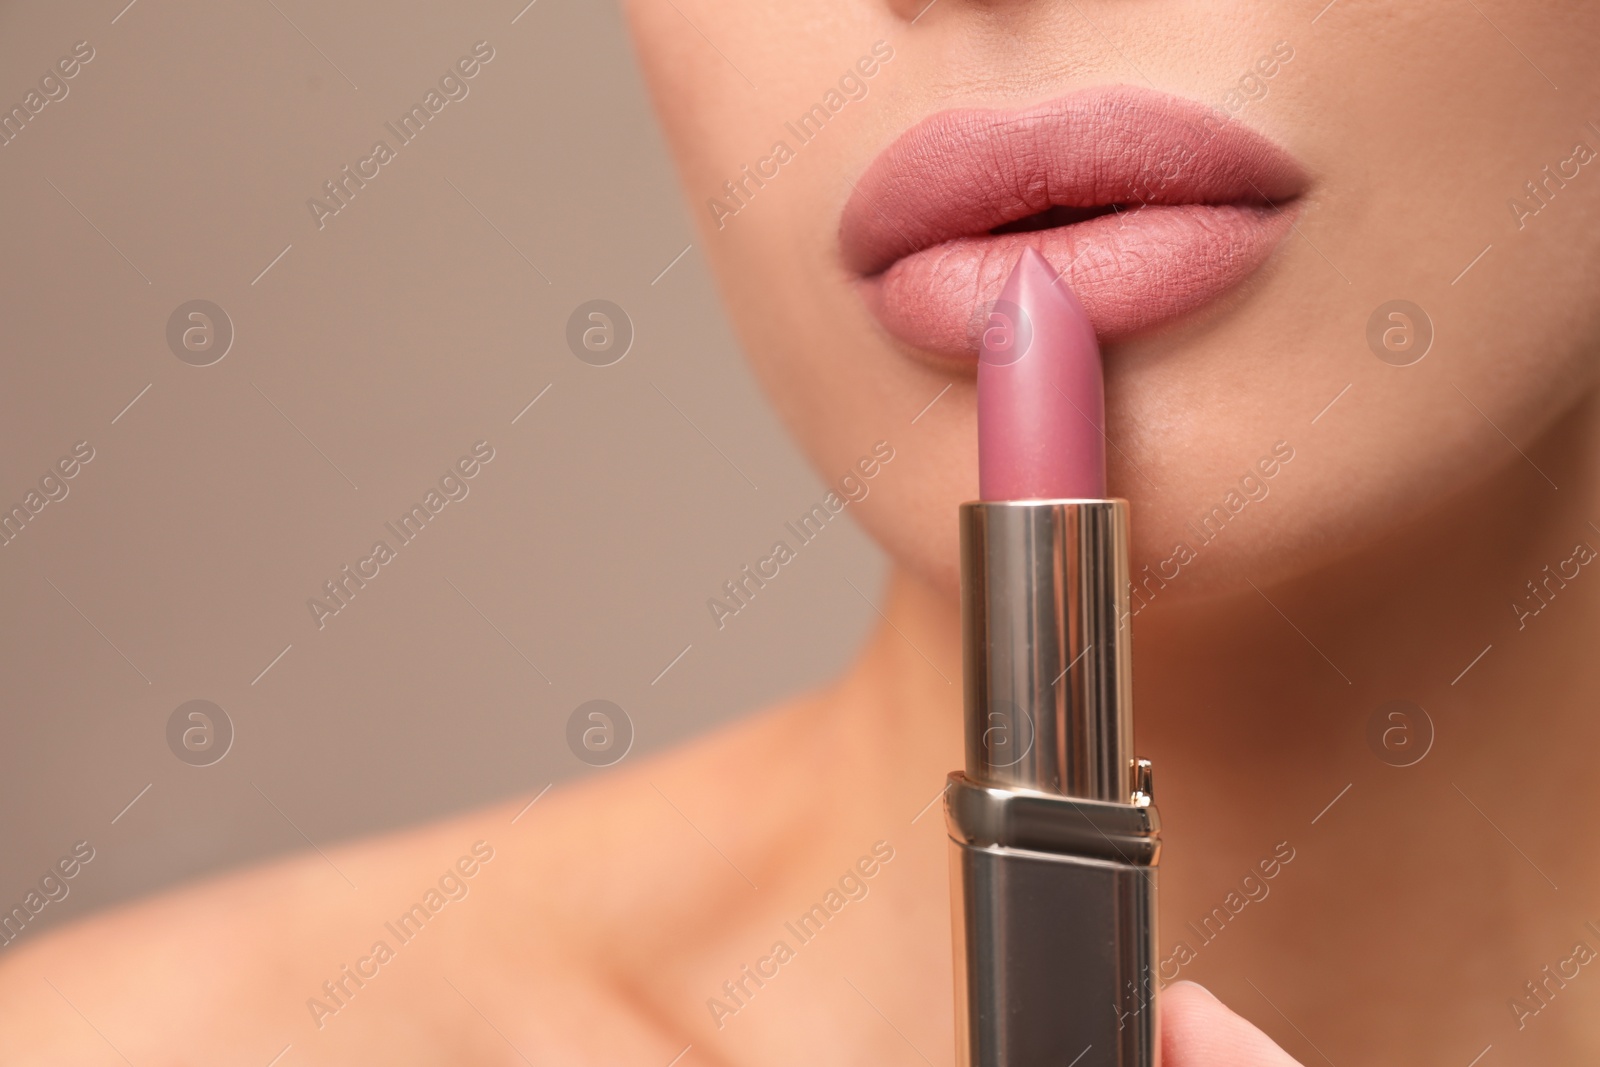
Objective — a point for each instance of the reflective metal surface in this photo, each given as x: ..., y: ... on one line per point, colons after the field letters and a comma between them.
x: 1055, y: 960
x: 983, y: 816
x: 1054, y: 838
x: 1047, y: 652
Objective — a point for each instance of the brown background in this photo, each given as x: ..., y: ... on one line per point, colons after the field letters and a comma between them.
x: 366, y: 360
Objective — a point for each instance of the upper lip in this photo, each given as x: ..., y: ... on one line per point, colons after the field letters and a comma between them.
x: 968, y: 172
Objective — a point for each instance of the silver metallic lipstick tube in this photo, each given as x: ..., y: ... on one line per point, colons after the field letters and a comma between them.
x: 1054, y: 841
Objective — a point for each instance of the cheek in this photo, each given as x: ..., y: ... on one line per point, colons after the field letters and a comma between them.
x: 697, y: 105
x: 725, y: 105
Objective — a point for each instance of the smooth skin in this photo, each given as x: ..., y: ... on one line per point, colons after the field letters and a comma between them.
x: 1391, y: 551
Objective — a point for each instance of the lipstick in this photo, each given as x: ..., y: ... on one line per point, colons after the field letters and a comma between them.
x: 1041, y: 420
x: 1054, y: 839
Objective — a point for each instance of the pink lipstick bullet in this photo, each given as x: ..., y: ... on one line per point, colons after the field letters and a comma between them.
x: 1041, y: 396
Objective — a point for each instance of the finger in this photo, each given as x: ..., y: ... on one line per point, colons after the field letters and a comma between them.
x: 1198, y: 1030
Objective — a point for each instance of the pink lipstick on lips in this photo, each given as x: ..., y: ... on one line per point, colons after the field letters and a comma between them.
x: 1154, y: 205
x: 1054, y: 839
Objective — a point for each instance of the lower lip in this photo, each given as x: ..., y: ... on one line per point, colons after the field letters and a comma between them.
x: 1132, y: 270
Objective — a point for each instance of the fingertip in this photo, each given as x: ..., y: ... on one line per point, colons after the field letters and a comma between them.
x: 1187, y: 987
x: 1198, y: 1030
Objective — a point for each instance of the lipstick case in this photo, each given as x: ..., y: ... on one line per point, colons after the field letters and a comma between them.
x: 1054, y: 839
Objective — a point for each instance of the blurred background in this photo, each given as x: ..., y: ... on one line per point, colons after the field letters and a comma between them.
x: 264, y: 384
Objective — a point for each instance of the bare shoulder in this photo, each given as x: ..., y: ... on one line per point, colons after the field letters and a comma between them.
x: 506, y: 931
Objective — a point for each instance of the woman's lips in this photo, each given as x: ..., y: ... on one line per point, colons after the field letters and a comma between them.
x: 1149, y: 205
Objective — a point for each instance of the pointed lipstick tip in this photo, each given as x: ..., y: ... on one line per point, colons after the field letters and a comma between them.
x: 1041, y: 404
x: 1034, y: 271
x: 1031, y: 269
x: 1032, y: 255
